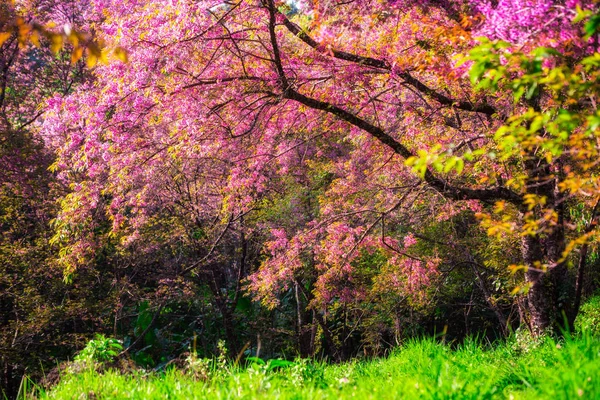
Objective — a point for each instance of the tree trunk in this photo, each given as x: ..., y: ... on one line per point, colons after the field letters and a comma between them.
x: 319, y: 318
x: 542, y: 252
x: 548, y: 290
x: 230, y: 335
x: 303, y: 326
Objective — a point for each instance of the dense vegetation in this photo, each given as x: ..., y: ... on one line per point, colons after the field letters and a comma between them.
x: 318, y: 179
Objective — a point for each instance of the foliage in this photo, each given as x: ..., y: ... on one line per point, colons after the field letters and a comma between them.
x: 18, y: 24
x: 588, y: 319
x: 41, y: 320
x: 100, y: 349
x: 296, y: 102
x: 556, y: 129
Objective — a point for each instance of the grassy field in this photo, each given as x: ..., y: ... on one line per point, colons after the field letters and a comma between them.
x: 421, y: 369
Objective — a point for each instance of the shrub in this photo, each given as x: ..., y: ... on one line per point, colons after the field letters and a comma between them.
x: 101, y: 349
x: 589, y: 316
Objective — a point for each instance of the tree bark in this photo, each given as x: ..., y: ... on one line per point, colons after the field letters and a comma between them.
x: 547, y: 274
x: 303, y: 326
x: 326, y: 331
x: 538, y: 293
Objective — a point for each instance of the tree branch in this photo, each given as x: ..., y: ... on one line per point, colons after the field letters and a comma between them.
x: 382, y: 64
x: 442, y: 186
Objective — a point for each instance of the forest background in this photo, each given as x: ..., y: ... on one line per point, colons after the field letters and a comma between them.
x: 311, y: 178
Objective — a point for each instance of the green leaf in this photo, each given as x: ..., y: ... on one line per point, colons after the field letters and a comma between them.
x: 592, y: 26
x: 519, y: 93
x: 593, y: 122
x: 460, y: 165
x: 449, y: 165
x: 256, y: 360
x: 531, y: 91
x: 545, y: 52
x: 279, y: 364
x: 581, y: 14
x: 476, y: 72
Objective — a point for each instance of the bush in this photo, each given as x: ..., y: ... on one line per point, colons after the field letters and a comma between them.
x: 589, y: 316
x: 101, y: 349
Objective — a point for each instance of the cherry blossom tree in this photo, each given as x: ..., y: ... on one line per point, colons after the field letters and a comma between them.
x: 222, y: 103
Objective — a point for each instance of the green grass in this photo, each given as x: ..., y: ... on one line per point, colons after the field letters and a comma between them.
x: 421, y: 369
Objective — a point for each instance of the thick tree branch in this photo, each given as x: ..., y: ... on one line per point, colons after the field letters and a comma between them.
x: 276, y: 53
x: 382, y: 64
x: 442, y: 186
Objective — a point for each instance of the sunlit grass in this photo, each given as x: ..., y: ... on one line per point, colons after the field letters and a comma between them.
x: 549, y: 369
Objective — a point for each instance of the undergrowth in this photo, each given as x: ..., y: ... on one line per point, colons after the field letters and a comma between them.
x: 424, y: 369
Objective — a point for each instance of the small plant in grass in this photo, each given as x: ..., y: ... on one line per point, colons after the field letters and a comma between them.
x: 222, y: 357
x: 304, y: 372
x: 198, y: 368
x: 524, y: 342
x: 99, y: 350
